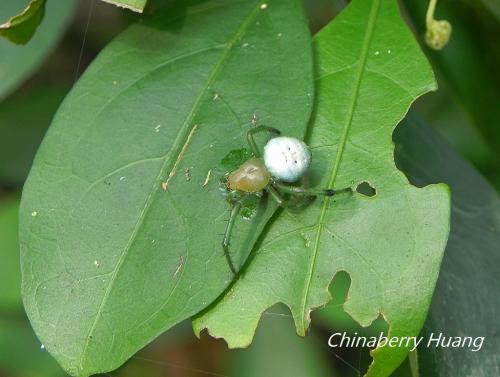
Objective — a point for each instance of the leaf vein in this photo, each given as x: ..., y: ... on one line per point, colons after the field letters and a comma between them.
x: 363, y: 59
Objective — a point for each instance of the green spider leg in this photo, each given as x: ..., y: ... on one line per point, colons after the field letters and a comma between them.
x: 282, y: 202
x: 235, y: 210
x: 298, y: 190
x: 251, y: 140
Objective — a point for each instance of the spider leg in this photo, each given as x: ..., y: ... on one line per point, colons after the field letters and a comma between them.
x: 235, y: 209
x: 282, y: 202
x: 251, y: 140
x: 309, y: 191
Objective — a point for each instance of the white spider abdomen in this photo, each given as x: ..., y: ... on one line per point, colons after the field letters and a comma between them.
x: 287, y: 158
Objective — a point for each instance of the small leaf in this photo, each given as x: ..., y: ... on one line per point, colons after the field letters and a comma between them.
x: 466, y: 299
x: 123, y: 245
x: 20, y: 28
x: 17, y: 62
x: 234, y: 159
x: 369, y: 71
x: 134, y: 5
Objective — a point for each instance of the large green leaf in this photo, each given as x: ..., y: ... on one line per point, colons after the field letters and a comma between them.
x: 369, y: 70
x: 466, y: 299
x: 120, y: 233
x: 17, y: 62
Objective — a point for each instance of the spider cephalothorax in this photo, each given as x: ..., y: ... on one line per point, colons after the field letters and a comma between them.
x: 285, y: 160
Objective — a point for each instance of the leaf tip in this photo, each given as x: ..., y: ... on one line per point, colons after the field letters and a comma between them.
x: 123, y: 5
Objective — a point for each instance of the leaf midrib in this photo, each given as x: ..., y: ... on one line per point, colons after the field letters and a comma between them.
x: 362, y: 64
x: 179, y: 144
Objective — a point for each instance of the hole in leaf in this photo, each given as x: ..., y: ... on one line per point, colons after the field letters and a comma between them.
x: 351, y: 359
x: 364, y: 188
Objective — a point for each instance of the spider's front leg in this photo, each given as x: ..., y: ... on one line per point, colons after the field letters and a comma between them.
x: 235, y: 209
x: 309, y: 191
x: 282, y: 202
x: 251, y: 139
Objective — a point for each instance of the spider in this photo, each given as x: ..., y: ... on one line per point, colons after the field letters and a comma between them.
x: 285, y: 161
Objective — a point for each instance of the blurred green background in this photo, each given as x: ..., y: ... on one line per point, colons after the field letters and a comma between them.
x: 34, y: 80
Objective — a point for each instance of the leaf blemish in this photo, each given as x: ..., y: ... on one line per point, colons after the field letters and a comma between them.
x: 179, y: 266
x: 207, y: 179
x: 254, y: 118
x: 307, y: 239
x: 164, y: 185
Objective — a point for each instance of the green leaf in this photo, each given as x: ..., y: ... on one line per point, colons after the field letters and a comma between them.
x: 134, y: 5
x: 17, y: 62
x: 10, y: 293
x: 21, y: 131
x: 369, y: 71
x: 20, y: 28
x: 126, y: 238
x: 466, y: 299
x: 234, y: 159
